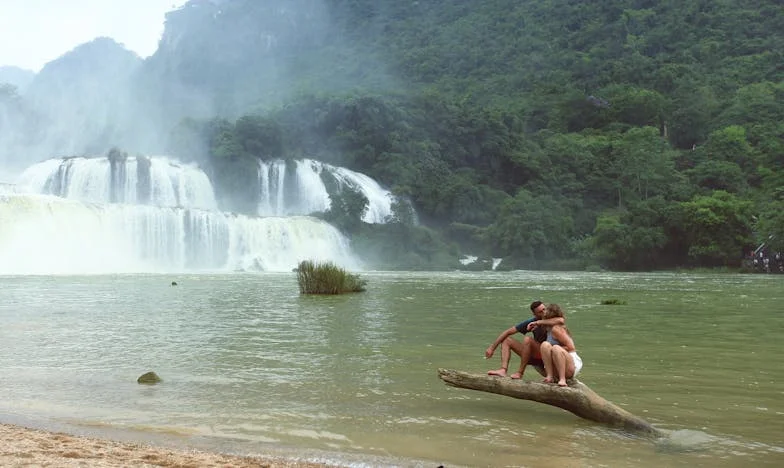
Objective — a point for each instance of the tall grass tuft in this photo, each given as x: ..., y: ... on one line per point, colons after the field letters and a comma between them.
x: 613, y: 302
x: 326, y: 278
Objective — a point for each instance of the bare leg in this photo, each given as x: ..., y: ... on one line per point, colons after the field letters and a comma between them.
x: 529, y: 348
x: 564, y: 365
x: 547, y: 356
x: 507, y: 347
x: 560, y: 364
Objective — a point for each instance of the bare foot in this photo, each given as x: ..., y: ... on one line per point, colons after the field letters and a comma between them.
x: 562, y: 383
x: 499, y: 372
x: 547, y: 380
x: 516, y: 375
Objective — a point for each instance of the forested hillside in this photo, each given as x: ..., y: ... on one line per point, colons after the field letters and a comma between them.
x: 622, y: 134
x: 626, y: 134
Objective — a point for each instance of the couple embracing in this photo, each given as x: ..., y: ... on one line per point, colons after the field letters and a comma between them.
x: 551, y: 349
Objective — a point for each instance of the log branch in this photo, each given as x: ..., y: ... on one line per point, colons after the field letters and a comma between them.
x: 577, y: 398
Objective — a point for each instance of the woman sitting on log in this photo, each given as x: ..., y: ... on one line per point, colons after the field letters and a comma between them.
x: 558, y: 352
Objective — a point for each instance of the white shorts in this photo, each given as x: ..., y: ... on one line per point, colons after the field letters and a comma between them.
x: 578, y: 363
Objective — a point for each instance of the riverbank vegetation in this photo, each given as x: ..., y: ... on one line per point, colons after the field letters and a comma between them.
x: 327, y: 278
x: 625, y: 134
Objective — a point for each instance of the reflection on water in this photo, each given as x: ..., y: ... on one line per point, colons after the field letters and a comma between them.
x: 249, y: 365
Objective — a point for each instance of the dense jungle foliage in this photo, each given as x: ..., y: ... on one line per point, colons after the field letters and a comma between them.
x: 623, y: 134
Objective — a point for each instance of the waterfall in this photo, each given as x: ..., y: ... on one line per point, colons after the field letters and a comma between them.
x: 269, y: 243
x: 87, y: 216
x: 298, y: 188
x: 7, y: 188
x: 153, y: 181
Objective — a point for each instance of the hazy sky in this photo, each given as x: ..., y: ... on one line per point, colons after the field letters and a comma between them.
x: 33, y: 32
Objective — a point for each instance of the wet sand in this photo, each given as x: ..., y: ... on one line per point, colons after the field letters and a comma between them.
x: 24, y: 447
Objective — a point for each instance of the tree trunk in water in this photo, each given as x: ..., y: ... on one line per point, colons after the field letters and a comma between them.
x: 576, y: 398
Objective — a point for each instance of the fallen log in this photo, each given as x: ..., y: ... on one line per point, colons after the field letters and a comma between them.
x: 577, y: 398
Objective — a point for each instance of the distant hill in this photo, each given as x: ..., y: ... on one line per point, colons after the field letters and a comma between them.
x: 16, y: 76
x: 84, y: 98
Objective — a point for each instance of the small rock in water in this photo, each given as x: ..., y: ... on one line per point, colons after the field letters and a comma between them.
x: 174, y: 283
x: 149, y: 378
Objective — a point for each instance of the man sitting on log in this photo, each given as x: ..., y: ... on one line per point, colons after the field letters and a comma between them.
x: 528, y: 349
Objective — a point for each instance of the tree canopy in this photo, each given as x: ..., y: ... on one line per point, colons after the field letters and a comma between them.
x: 629, y: 133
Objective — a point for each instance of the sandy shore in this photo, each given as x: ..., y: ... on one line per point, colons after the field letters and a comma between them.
x: 23, y: 447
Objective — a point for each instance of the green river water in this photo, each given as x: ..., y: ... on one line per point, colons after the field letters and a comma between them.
x: 250, y: 366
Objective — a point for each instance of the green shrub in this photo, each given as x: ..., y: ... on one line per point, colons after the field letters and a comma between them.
x: 613, y: 302
x: 326, y: 278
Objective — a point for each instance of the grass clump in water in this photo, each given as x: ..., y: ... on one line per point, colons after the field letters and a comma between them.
x: 613, y: 302
x: 327, y: 278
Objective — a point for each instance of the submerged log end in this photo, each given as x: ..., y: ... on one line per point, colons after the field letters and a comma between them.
x: 577, y: 398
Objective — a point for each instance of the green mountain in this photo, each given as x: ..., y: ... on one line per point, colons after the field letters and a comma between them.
x: 627, y: 134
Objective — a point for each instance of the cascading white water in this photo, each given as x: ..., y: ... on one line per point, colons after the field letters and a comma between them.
x: 98, y: 223
x: 269, y: 243
x: 153, y: 181
x: 380, y: 200
x: 300, y: 190
x: 6, y: 188
x: 44, y: 234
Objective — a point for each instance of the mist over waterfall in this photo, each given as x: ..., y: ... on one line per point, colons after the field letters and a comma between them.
x: 103, y: 215
x: 298, y: 188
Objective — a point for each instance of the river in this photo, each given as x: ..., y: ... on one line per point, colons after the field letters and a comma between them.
x: 250, y: 366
